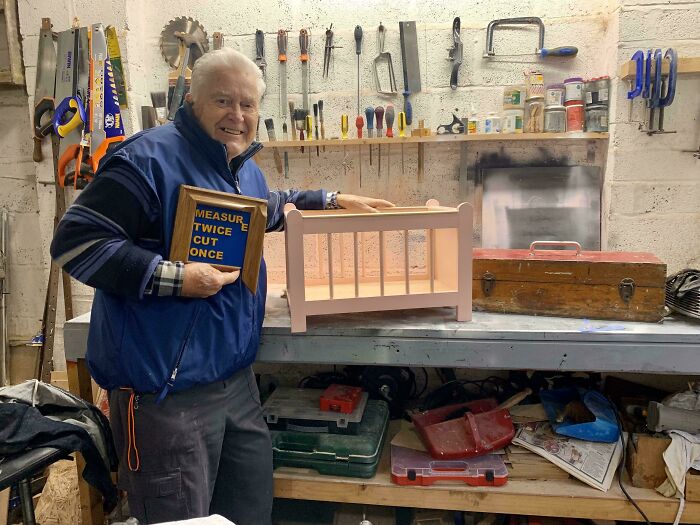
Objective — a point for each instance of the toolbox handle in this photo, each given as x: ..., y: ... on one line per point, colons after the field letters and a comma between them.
x: 564, y: 244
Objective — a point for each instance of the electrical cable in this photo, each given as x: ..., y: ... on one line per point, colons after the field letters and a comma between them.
x: 621, y: 466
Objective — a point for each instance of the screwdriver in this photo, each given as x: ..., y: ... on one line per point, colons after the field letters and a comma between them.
x: 285, y: 135
x: 408, y: 108
x: 369, y: 116
x: 389, y: 114
x: 344, y: 136
x: 316, y: 125
x: 320, y: 116
x: 309, y: 137
x: 389, y: 121
x: 358, y: 52
x: 402, y: 134
x: 359, y: 122
x: 379, y: 115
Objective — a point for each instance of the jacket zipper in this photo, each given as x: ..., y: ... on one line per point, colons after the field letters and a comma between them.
x: 181, y: 352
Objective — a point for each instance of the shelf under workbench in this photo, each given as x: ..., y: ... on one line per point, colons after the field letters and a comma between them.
x: 557, y: 498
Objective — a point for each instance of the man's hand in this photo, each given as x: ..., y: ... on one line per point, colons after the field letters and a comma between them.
x: 360, y: 203
x: 203, y: 280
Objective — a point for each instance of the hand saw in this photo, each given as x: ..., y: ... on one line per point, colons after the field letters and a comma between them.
x: 106, y: 126
x: 71, y: 83
x: 72, y: 89
x: 45, y: 86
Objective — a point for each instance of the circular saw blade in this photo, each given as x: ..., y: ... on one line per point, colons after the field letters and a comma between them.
x: 172, y: 47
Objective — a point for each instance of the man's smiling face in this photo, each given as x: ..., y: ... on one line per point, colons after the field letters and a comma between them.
x: 227, y: 109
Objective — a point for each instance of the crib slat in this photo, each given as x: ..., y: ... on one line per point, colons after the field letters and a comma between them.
x: 355, y: 266
x: 381, y: 263
x: 329, y: 240
x: 405, y: 262
x: 431, y: 258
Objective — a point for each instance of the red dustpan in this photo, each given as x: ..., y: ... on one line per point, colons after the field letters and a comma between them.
x: 484, y: 429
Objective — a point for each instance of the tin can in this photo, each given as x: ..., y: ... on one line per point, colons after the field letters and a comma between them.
x: 514, y: 97
x: 573, y: 88
x: 534, y: 116
x: 574, y: 117
x: 597, y: 91
x: 555, y: 119
x: 513, y: 121
x: 597, y: 118
x: 473, y: 125
x: 534, y: 84
x: 554, y: 95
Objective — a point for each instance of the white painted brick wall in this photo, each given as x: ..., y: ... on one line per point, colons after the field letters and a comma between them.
x: 653, y: 183
x: 650, y: 197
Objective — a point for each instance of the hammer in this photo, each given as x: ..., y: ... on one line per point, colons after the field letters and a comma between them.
x: 179, y: 91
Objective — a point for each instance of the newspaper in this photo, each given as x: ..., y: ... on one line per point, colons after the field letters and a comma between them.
x: 591, y: 462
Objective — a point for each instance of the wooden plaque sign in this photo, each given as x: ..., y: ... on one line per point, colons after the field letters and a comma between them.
x: 223, y: 229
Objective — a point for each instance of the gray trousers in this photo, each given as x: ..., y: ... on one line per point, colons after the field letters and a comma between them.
x: 202, y: 451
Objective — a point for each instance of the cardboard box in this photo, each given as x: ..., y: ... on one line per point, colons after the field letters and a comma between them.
x: 692, y: 485
x: 645, y: 462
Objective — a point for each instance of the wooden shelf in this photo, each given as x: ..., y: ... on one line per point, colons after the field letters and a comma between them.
x: 495, y: 137
x: 686, y: 66
x: 557, y: 498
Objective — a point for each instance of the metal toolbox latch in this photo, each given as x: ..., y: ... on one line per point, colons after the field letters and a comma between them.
x: 626, y: 288
x: 488, y: 281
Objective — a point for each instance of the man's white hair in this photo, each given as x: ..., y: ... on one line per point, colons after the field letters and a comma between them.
x: 211, y: 63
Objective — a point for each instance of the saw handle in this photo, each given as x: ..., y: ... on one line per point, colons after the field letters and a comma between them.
x: 105, y: 147
x: 62, y: 124
x: 563, y: 51
x: 44, y: 106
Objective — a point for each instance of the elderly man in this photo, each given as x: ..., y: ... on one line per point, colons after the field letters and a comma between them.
x: 173, y: 343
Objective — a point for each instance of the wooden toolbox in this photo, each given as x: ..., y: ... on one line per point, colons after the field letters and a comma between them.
x: 624, y: 286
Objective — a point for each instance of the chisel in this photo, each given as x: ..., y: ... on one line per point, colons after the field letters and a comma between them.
x: 309, y: 136
x: 359, y: 123
x: 344, y: 136
x: 316, y: 125
x: 379, y: 115
x: 320, y: 116
x: 285, y: 136
x: 389, y: 115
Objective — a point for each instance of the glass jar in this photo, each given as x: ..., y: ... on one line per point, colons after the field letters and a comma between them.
x: 534, y: 115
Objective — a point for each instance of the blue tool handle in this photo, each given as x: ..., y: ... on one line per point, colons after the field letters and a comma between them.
x: 563, y: 51
x: 369, y: 114
x: 667, y: 100
x: 409, y: 113
x: 656, y: 88
x: 69, y: 114
x: 638, y: 57
x: 646, y: 92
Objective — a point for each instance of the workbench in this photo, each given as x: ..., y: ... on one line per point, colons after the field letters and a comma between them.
x: 432, y: 337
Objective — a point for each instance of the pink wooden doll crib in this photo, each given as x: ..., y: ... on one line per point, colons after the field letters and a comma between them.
x: 441, y: 277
